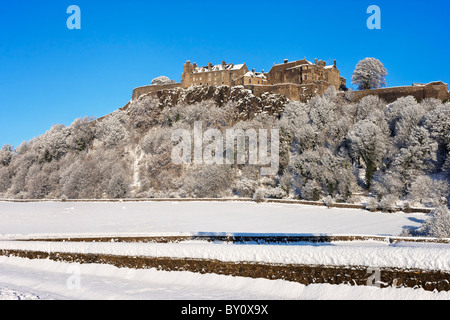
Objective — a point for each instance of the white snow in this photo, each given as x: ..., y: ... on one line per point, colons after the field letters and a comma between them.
x: 140, y: 218
x: 45, y: 279
x: 426, y: 256
x: 218, y: 67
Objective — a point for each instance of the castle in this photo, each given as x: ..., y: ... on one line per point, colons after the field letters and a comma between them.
x: 298, y: 80
x: 306, y: 76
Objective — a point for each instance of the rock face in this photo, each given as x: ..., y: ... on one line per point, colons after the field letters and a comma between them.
x: 246, y: 103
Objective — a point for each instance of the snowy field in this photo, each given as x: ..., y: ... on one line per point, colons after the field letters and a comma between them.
x: 44, y: 279
x: 151, y: 218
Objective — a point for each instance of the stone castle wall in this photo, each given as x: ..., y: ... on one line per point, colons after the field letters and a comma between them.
x: 437, y: 90
x: 153, y: 88
x: 305, y: 92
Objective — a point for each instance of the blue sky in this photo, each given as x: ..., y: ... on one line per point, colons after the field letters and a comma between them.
x: 52, y: 75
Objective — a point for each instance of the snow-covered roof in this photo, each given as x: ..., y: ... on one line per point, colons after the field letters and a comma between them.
x: 299, y: 66
x: 255, y: 75
x: 219, y: 67
x: 307, y: 62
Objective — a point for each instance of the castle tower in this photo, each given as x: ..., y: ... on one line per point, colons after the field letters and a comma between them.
x: 186, y: 75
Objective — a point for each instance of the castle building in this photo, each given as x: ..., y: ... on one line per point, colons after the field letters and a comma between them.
x: 304, y: 72
x: 298, y: 80
x: 221, y: 74
x: 302, y: 76
x: 250, y: 78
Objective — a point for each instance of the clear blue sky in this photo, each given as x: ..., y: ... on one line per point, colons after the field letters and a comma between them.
x: 52, y: 75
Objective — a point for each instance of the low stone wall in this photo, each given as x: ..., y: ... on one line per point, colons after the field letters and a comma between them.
x: 245, y: 239
x: 285, y: 201
x: 305, y: 274
x: 437, y: 90
x: 153, y: 88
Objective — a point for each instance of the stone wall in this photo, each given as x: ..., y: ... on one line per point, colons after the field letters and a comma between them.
x: 429, y: 280
x: 153, y: 88
x: 438, y: 90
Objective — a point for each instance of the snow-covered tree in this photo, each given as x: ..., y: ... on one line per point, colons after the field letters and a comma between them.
x: 322, y: 111
x: 446, y: 165
x: 369, y: 74
x: 416, y: 156
x: 368, y: 141
x: 119, y: 182
x: 387, y: 203
x: 259, y: 195
x: 245, y: 187
x: 429, y: 191
x: 438, y: 122
x: 144, y: 113
x: 369, y: 106
x: 438, y: 225
x: 388, y: 182
x: 312, y: 191
x: 5, y: 179
x: 6, y: 153
x: 42, y: 180
x: 208, y: 181
x: 112, y: 129
x: 81, y: 134
x: 162, y: 80
x: 53, y: 144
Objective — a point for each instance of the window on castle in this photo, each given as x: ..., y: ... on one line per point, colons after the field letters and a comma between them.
x: 249, y: 80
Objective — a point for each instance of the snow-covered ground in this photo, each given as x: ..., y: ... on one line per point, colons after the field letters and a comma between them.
x: 150, y: 218
x: 426, y: 256
x: 44, y: 279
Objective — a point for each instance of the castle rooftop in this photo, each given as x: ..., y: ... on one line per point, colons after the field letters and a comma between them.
x: 218, y: 67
